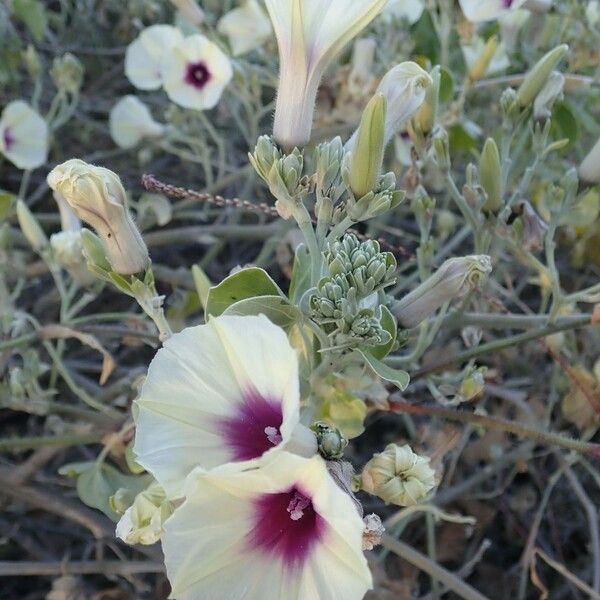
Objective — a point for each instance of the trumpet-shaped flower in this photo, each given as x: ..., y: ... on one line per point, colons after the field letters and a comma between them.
x: 310, y: 33
x: 404, y: 89
x: 407, y: 9
x: 23, y: 136
x: 145, y: 55
x: 488, y: 10
x: 246, y: 27
x: 195, y: 73
x: 283, y: 531
x: 130, y: 122
x: 225, y: 392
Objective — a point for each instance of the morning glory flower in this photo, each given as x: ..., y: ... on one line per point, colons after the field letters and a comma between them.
x: 246, y: 27
x: 224, y: 392
x: 488, y: 10
x: 282, y: 531
x: 146, y: 53
x: 23, y: 136
x: 310, y: 34
x: 130, y: 122
x: 196, y: 72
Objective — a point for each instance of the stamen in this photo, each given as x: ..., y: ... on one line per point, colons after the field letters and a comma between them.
x: 273, y: 435
x: 297, y: 505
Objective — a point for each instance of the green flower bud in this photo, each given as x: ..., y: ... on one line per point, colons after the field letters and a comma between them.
x: 398, y: 476
x: 31, y: 228
x: 330, y: 441
x: 537, y: 77
x: 482, y: 63
x: 67, y: 73
x: 441, y: 147
x: 490, y: 175
x: 367, y: 154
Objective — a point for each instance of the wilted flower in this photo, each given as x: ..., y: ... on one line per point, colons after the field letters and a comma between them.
x: 190, y: 11
x: 143, y: 521
x: 398, y: 476
x: 453, y: 279
x: 246, y: 27
x: 195, y: 73
x: 488, y: 10
x: 145, y: 55
x: 23, y: 136
x: 283, y: 531
x: 97, y: 196
x: 589, y: 170
x: 224, y: 392
x: 130, y: 122
x: 310, y: 34
x: 407, y: 9
x: 404, y: 89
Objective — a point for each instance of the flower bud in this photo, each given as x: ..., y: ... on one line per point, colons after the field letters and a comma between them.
x: 67, y: 73
x: 367, y: 154
x: 398, y: 476
x: 330, y: 441
x: 490, y: 176
x: 441, y: 148
x: 97, y: 196
x: 589, y: 170
x: 31, y: 228
x: 142, y: 522
x: 537, y: 77
x: 480, y: 67
x: 453, y: 279
x: 67, y: 248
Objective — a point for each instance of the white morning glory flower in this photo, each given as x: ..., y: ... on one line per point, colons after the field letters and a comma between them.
x: 488, y: 10
x: 130, y: 122
x: 246, y: 27
x: 195, y: 73
x: 224, y: 392
x: 283, y: 531
x: 23, y: 136
x: 145, y: 55
x: 310, y: 33
x: 407, y: 9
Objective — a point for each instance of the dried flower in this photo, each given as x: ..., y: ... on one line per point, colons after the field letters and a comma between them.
x: 23, y: 136
x: 97, y: 196
x: 398, y: 476
x: 130, y: 122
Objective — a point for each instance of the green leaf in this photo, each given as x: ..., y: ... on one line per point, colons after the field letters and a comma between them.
x: 276, y: 308
x: 300, y: 274
x: 247, y: 283
x: 564, y: 123
x: 460, y: 139
x: 202, y: 284
x: 396, y: 376
x: 33, y: 14
x: 6, y: 202
x: 388, y: 322
x: 446, y: 85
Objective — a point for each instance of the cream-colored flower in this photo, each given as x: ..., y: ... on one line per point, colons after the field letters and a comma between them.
x: 23, y: 136
x: 246, y: 27
x: 310, y: 34
x: 224, y: 392
x: 404, y: 89
x: 145, y: 55
x: 398, y: 476
x: 280, y: 532
x: 143, y: 521
x: 97, y: 196
x: 130, y: 122
x: 196, y: 72
x: 406, y: 9
x: 473, y: 51
x: 488, y: 10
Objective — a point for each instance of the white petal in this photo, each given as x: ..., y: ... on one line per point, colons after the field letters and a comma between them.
x: 130, y: 121
x: 408, y: 9
x: 488, y: 10
x: 201, y: 375
x: 23, y: 136
x: 246, y: 27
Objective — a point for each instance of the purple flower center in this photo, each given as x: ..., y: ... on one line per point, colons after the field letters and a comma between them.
x: 8, y: 139
x: 255, y: 428
x: 507, y: 3
x: 197, y: 74
x: 286, y: 525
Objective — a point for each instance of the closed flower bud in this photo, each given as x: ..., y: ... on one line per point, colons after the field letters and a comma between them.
x: 67, y: 73
x: 441, y: 148
x: 398, y: 476
x: 552, y: 91
x: 479, y: 68
x: 30, y: 227
x: 537, y: 77
x: 367, y: 154
x: 142, y: 522
x: 453, y: 279
x: 330, y: 441
x: 97, y: 196
x: 67, y: 248
x: 490, y: 175
x: 589, y: 170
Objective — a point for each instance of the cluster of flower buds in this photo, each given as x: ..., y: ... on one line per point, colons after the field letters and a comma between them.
x: 67, y: 73
x: 345, y: 301
x: 281, y: 172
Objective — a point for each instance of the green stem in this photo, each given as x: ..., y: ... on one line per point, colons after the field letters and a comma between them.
x: 29, y: 443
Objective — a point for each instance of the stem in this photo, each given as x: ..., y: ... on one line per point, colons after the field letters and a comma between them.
x: 304, y: 221
x: 451, y: 581
x: 28, y: 443
x: 463, y: 416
